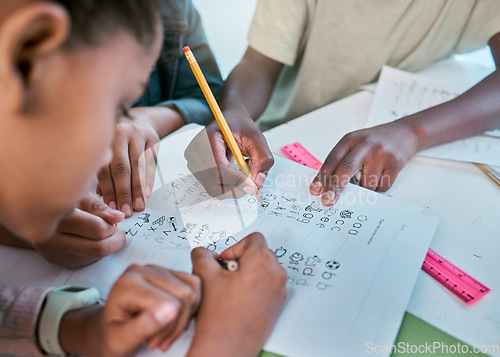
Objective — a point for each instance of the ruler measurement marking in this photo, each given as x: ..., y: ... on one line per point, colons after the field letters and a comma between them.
x: 453, y: 278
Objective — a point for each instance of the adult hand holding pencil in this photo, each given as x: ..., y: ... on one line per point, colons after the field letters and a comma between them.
x: 219, y: 117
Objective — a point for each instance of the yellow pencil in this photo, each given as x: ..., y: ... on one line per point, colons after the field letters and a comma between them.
x: 226, y: 131
x: 489, y: 173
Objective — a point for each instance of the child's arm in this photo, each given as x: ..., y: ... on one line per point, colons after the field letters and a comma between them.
x: 381, y: 152
x: 146, y: 304
x: 19, y: 307
x: 238, y: 309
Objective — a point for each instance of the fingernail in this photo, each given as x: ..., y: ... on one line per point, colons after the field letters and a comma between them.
x: 164, y: 347
x: 139, y: 204
x: 164, y: 313
x: 126, y: 209
x: 147, y: 192
x: 327, y: 198
x: 112, y: 205
x: 115, y: 213
x: 249, y: 190
x: 261, y: 179
x: 316, y: 186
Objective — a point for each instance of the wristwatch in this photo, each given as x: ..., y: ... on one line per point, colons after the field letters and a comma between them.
x: 57, y: 303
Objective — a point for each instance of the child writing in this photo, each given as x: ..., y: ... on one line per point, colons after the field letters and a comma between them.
x: 304, y: 54
x: 69, y: 70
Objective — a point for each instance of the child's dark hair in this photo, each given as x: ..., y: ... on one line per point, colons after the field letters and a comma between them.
x: 91, y: 19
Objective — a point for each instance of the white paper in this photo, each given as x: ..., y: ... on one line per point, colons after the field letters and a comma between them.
x: 400, y: 93
x: 351, y: 267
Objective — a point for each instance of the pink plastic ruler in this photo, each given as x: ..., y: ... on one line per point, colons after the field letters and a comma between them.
x: 298, y: 153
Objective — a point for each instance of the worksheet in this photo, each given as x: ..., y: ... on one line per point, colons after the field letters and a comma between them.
x: 351, y: 268
x: 400, y: 93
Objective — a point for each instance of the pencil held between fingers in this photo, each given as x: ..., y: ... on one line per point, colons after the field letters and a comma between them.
x: 221, y: 121
x: 252, y: 144
x: 207, y: 161
x: 257, y: 293
x: 85, y: 236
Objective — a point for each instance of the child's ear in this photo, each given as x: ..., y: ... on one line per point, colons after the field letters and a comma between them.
x: 27, y: 35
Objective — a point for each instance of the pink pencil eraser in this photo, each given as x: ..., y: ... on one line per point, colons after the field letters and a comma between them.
x: 186, y: 49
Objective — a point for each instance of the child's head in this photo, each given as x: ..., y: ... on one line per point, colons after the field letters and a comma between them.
x: 68, y: 68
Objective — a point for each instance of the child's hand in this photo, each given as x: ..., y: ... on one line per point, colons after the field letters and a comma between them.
x: 380, y: 153
x: 251, y: 142
x: 128, y: 180
x: 85, y: 236
x: 219, y: 179
x: 147, y: 304
x: 239, y: 308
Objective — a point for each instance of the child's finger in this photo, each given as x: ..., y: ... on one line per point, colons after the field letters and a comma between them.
x: 121, y: 173
x: 87, y: 225
x: 370, y: 176
x: 387, y: 177
x: 138, y: 173
x: 94, y: 205
x: 345, y: 170
x: 107, y: 187
x: 252, y: 241
x: 185, y: 288
x: 204, y: 262
x: 262, y: 159
x: 323, y: 182
x: 150, y: 321
x: 151, y: 163
x: 84, y: 247
x: 133, y: 295
x: 329, y: 166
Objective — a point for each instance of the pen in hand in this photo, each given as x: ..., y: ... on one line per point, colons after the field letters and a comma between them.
x: 229, y: 265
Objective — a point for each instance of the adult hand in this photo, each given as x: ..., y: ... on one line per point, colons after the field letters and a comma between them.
x: 379, y: 153
x: 147, y: 304
x: 128, y: 180
x: 85, y: 236
x: 239, y: 308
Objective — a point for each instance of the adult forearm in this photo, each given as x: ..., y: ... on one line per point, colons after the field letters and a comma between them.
x: 472, y: 113
x: 250, y: 85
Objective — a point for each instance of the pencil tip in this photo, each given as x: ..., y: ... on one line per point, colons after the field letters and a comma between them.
x: 259, y: 198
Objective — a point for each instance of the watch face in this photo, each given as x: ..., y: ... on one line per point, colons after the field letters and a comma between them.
x: 74, y: 289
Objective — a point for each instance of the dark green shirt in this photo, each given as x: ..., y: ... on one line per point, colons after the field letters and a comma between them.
x: 172, y: 82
